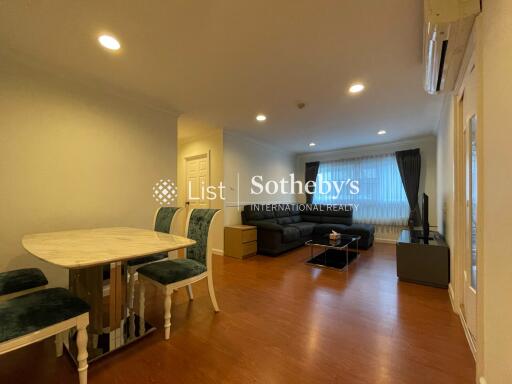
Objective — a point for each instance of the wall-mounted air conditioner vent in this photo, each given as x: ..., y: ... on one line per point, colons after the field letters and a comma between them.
x: 447, y: 28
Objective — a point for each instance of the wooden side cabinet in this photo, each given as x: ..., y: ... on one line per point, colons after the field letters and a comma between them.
x: 240, y: 241
x: 422, y: 263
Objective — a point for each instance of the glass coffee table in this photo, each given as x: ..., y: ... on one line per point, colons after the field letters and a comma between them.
x: 337, y: 254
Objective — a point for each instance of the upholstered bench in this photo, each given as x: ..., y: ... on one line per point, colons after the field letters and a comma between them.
x: 21, y: 281
x: 36, y: 316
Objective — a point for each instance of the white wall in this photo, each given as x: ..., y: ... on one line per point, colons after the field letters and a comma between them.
x: 445, y: 174
x: 74, y: 157
x: 497, y: 190
x: 428, y: 182
x: 244, y: 158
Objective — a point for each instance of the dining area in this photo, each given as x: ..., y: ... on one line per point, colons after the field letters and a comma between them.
x: 110, y: 269
x: 81, y: 226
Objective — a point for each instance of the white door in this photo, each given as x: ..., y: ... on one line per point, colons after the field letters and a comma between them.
x: 470, y: 129
x: 197, y: 170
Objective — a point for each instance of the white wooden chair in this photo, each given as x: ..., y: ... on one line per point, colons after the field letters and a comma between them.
x: 164, y: 221
x: 170, y: 275
x: 36, y: 316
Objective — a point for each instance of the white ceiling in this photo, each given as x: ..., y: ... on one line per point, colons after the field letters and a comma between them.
x: 225, y: 61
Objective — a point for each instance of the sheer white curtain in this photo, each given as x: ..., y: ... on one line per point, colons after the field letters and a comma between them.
x: 381, y: 198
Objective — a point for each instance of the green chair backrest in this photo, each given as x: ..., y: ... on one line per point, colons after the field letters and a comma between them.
x: 198, y: 227
x: 163, y: 219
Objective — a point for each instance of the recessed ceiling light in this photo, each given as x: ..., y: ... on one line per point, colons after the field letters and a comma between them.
x: 109, y: 42
x: 312, y: 144
x: 356, y: 88
x: 261, y: 117
x: 381, y: 132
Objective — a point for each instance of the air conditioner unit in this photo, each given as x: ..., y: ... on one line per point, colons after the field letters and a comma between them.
x: 448, y: 24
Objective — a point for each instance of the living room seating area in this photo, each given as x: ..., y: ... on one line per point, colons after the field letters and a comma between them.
x: 282, y: 227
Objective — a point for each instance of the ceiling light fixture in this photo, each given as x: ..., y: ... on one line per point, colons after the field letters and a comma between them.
x: 109, y: 42
x: 312, y: 144
x: 381, y: 132
x: 356, y: 88
x: 261, y: 117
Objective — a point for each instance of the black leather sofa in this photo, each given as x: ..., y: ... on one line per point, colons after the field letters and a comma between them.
x: 282, y: 227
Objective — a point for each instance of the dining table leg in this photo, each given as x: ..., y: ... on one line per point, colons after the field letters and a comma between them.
x: 117, y: 303
x: 105, y: 290
x: 87, y: 284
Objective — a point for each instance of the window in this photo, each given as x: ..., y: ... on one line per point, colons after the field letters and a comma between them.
x: 381, y: 198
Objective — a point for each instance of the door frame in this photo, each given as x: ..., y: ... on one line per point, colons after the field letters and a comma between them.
x: 472, y: 61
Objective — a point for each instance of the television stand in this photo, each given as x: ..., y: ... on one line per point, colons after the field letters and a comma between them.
x: 417, y: 236
x: 420, y: 262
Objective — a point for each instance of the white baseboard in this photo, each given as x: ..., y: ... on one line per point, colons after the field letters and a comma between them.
x: 218, y: 251
x: 471, y: 343
x: 458, y: 312
x: 451, y: 295
x: 385, y: 241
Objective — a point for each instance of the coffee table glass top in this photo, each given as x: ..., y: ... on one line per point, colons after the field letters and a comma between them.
x: 340, y: 243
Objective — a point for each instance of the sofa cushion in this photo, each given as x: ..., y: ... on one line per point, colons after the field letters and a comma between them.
x: 296, y: 219
x: 258, y: 212
x: 321, y: 229
x: 311, y: 218
x: 35, y: 311
x: 294, y: 209
x: 253, y: 214
x: 268, y: 212
x: 305, y: 228
x: 21, y: 280
x: 270, y: 224
x: 284, y: 220
x: 282, y: 210
x: 290, y: 234
x: 268, y: 221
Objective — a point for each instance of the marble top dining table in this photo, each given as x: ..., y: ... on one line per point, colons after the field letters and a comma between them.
x: 88, y: 247
x: 96, y: 259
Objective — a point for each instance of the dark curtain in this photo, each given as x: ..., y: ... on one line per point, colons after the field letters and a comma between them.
x: 311, y: 172
x: 409, y: 165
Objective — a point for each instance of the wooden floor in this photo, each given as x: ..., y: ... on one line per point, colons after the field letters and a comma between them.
x: 282, y: 321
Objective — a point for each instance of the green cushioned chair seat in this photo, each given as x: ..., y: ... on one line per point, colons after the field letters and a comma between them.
x: 21, y: 280
x: 148, y: 259
x: 171, y: 271
x: 35, y: 311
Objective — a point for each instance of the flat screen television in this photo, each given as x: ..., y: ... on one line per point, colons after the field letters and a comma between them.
x: 424, y: 215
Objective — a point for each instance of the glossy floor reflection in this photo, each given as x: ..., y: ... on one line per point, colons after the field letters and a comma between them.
x: 283, y: 321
